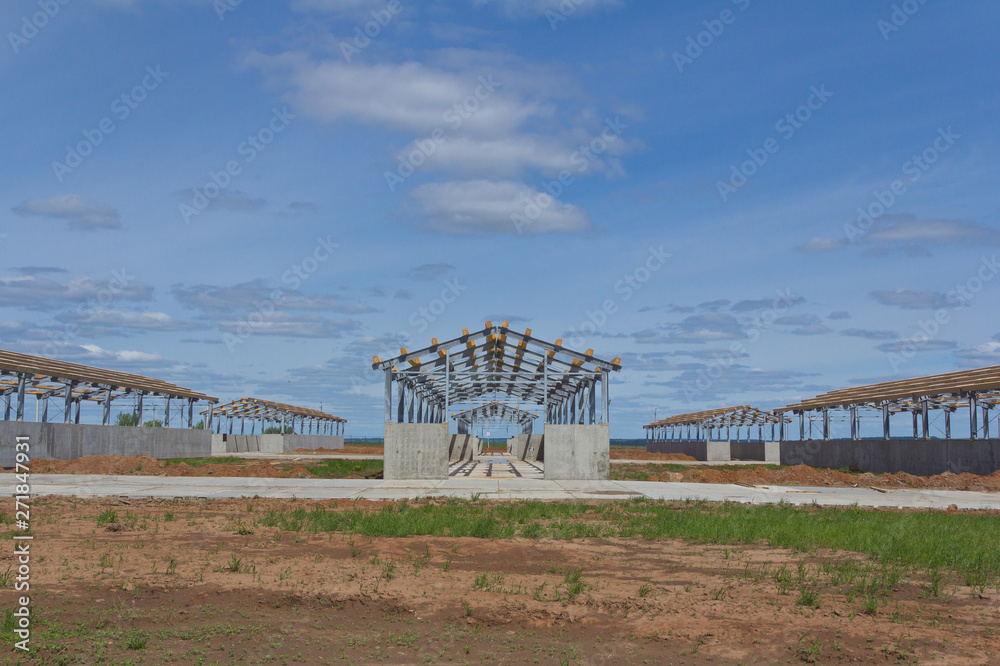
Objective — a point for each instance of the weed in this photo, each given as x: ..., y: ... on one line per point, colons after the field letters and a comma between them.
x: 808, y: 597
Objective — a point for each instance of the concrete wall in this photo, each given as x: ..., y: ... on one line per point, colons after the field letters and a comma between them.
x: 416, y: 451
x: 577, y: 452
x: 746, y: 450
x: 918, y: 457
x: 529, y: 447
x: 274, y: 443
x: 464, y: 447
x: 61, y: 441
x: 697, y: 450
x: 720, y: 451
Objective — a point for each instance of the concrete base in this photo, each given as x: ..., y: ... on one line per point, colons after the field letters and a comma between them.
x: 772, y: 453
x: 62, y: 441
x: 416, y: 451
x: 919, y: 457
x: 464, y: 447
x: 718, y: 451
x: 577, y: 452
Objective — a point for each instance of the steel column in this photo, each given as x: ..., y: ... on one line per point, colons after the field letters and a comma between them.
x: 605, y: 397
x: 926, y: 418
x: 107, y: 406
x: 826, y: 423
x: 973, y: 409
x: 885, y: 420
x: 19, y: 413
x: 854, y: 423
x: 68, y: 403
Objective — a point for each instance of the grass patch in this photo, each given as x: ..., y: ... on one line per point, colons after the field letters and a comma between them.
x: 926, y: 540
x: 338, y: 468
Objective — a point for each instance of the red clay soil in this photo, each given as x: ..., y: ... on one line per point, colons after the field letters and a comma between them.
x: 639, y: 454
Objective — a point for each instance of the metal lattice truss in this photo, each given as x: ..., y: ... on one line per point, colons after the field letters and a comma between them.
x: 496, y: 362
x: 495, y: 412
x: 708, y: 421
x: 948, y: 392
x: 286, y: 416
x: 22, y: 375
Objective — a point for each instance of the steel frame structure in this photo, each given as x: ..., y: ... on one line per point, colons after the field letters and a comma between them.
x: 708, y: 424
x: 496, y: 361
x: 976, y: 390
x: 256, y: 410
x: 22, y: 375
x: 495, y: 413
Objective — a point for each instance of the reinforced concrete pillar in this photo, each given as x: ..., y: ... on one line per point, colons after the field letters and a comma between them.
x: 68, y: 403
x: 387, y: 416
x: 605, y: 397
x: 401, y: 400
x: 802, y: 426
x: 947, y: 424
x: 190, y: 412
x: 138, y: 420
x: 854, y: 422
x: 107, y: 406
x: 885, y: 420
x: 926, y: 417
x: 45, y: 409
x: 76, y: 416
x: 914, y: 413
x: 986, y: 421
x: 19, y: 412
x: 826, y: 423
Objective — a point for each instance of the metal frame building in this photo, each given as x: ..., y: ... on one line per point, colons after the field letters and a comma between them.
x: 974, y: 390
x: 492, y: 363
x: 492, y: 414
x: 266, y: 411
x: 708, y: 424
x: 22, y: 375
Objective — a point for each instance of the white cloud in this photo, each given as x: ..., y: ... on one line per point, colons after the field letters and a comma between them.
x: 911, y: 299
x: 77, y: 211
x: 43, y: 293
x: 146, y: 321
x: 93, y: 352
x: 522, y: 8
x: 487, y: 207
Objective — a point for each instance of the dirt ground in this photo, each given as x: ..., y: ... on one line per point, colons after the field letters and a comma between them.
x: 635, y: 453
x: 803, y: 475
x: 176, y: 581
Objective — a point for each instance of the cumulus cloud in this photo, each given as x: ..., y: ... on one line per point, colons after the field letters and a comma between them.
x: 44, y: 293
x: 232, y: 200
x: 79, y: 213
x: 531, y: 8
x: 909, y: 233
x: 247, y: 295
x: 290, y: 326
x: 116, y: 319
x: 489, y: 207
x: 911, y: 299
x: 869, y: 334
x: 916, y: 344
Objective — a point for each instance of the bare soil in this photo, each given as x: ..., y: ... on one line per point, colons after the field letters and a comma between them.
x: 639, y: 454
x: 803, y: 475
x: 178, y: 573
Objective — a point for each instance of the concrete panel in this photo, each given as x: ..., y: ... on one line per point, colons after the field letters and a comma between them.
x: 772, y: 453
x: 695, y: 449
x: 464, y: 447
x: 746, y: 450
x: 918, y: 457
x: 530, y: 448
x: 577, y: 452
x: 416, y: 451
x: 61, y: 441
x: 219, y: 445
x: 312, y: 442
x: 273, y: 443
x: 718, y: 451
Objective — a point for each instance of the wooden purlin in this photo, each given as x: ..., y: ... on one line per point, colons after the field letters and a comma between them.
x: 39, y: 367
x: 953, y: 383
x: 250, y: 407
x: 736, y: 415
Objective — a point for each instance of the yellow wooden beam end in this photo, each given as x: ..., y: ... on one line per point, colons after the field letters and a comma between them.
x: 465, y: 331
x: 489, y: 324
x: 470, y: 344
x: 527, y: 332
x: 434, y: 341
x: 376, y: 359
x: 618, y: 360
x: 577, y: 363
x: 551, y: 353
x: 558, y: 342
x: 590, y: 352
x: 506, y: 324
x: 402, y: 350
x: 442, y: 353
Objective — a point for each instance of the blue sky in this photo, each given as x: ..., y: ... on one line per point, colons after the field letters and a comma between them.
x: 249, y: 199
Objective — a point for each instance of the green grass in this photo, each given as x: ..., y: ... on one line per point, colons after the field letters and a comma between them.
x: 339, y: 468
x: 927, y: 540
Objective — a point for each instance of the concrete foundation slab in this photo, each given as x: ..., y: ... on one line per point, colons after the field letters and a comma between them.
x: 577, y: 452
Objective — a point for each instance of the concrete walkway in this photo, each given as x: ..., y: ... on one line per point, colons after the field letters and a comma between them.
x: 289, y: 457
x: 94, y: 485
